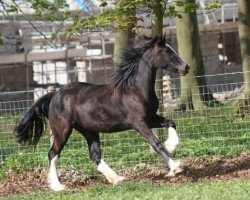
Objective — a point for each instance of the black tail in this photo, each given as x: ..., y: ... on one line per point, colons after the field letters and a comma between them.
x: 31, y: 127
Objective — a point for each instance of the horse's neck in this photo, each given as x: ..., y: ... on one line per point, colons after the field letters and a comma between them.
x: 145, y: 80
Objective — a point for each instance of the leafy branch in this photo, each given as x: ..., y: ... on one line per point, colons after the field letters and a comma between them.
x: 117, y: 15
x: 45, y: 10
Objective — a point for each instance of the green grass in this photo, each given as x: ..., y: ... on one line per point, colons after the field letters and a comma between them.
x: 233, y: 189
x: 213, y: 131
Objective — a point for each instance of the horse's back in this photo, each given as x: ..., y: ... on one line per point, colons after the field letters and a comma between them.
x: 73, y: 97
x: 77, y: 87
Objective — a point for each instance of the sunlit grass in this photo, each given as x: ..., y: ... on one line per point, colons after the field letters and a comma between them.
x: 214, y: 131
x: 206, y: 190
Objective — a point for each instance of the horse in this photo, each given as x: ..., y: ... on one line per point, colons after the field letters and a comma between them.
x: 127, y: 102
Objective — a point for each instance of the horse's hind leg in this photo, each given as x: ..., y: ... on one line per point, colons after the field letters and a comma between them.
x: 93, y: 140
x: 61, y: 132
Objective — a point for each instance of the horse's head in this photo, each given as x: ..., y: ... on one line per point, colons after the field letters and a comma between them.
x: 166, y: 58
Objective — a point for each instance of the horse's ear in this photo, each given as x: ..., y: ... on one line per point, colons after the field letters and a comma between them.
x: 161, y: 40
x: 165, y: 36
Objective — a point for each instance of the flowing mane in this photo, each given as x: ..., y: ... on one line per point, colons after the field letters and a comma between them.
x: 126, y: 75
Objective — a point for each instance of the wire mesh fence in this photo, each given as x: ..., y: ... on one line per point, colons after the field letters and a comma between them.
x: 218, y: 128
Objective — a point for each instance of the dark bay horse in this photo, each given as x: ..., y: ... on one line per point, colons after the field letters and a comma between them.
x: 128, y: 102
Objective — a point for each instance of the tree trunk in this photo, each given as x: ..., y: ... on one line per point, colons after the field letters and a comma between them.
x: 157, y: 26
x: 244, y: 34
x: 193, y: 86
x: 122, y: 40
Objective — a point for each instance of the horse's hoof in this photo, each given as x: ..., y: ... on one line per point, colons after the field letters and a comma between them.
x: 173, y: 173
x: 58, y: 187
x: 178, y: 170
x: 170, y: 174
x: 175, y: 168
x: 119, y: 180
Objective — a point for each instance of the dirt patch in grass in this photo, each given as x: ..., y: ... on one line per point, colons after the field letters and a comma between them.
x: 194, y: 170
x: 209, y: 168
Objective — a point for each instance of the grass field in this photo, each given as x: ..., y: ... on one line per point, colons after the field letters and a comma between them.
x: 213, y: 131
x: 205, y: 190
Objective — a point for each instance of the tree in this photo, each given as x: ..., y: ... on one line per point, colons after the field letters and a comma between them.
x: 244, y: 33
x: 123, y: 37
x: 194, y: 91
x: 122, y: 15
x: 118, y: 12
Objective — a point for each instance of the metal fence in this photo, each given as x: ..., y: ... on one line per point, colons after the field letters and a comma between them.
x: 219, y: 129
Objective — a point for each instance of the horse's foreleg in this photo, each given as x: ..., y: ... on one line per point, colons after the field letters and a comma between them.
x: 93, y: 141
x: 144, y: 129
x: 173, y: 140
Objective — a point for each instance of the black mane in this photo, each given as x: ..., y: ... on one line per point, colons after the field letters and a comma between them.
x: 126, y: 75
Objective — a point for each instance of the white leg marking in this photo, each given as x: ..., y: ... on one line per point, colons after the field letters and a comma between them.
x: 53, y: 177
x: 111, y: 176
x: 175, y: 167
x: 173, y: 140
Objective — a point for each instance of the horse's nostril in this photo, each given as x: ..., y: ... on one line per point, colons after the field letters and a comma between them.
x: 187, y: 67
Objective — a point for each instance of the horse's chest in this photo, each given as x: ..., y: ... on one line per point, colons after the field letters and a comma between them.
x: 154, y: 104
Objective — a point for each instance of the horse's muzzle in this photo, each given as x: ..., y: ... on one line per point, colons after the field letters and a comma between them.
x: 184, y: 70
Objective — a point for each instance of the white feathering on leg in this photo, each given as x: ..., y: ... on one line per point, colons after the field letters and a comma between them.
x: 175, y: 167
x: 173, y: 140
x: 53, y: 177
x: 110, y: 174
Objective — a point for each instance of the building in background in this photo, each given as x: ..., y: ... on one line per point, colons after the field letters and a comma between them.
x: 28, y: 61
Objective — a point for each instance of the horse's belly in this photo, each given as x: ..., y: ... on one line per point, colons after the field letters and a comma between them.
x: 104, y: 127
x: 102, y: 120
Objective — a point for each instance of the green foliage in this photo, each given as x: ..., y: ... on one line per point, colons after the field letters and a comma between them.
x: 172, y: 12
x: 45, y: 10
x: 48, y: 10
x: 213, y: 6
x: 187, y: 7
x: 122, y: 16
x: 181, y: 7
x: 119, y: 16
x: 103, y: 3
x: 12, y: 9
